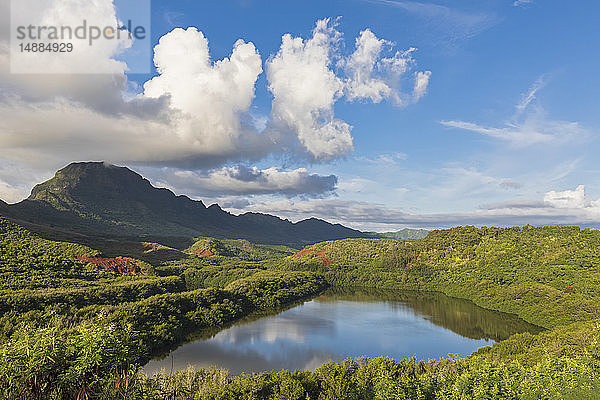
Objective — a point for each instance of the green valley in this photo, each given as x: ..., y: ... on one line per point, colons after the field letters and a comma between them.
x: 71, y: 329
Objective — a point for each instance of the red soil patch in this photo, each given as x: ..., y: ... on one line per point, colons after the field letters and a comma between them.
x: 205, y: 253
x: 326, y: 261
x: 159, y: 252
x: 569, y: 289
x: 119, y: 265
x: 321, y: 254
x: 304, y: 253
x: 150, y: 246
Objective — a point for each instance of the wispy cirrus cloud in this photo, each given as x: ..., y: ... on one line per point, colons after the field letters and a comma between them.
x: 530, y: 125
x: 521, y: 3
x: 534, y: 130
x: 456, y: 25
x: 384, y: 159
x: 530, y: 96
x: 172, y: 17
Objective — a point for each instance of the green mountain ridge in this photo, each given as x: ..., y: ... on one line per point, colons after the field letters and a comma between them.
x: 95, y: 198
x: 406, y: 233
x: 238, y: 248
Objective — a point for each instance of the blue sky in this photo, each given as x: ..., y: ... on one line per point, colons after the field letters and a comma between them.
x: 505, y: 132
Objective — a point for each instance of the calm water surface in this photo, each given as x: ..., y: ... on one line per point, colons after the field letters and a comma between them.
x: 341, y: 324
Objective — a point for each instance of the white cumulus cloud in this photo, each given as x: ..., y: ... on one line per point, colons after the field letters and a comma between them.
x: 374, y: 77
x: 305, y: 89
x: 207, y: 96
x: 306, y: 85
x: 84, y: 57
x: 196, y: 114
x: 361, y: 66
x: 568, y: 198
x: 421, y: 84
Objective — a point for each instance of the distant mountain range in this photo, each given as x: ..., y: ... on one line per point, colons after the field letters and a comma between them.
x: 406, y: 233
x: 94, y: 198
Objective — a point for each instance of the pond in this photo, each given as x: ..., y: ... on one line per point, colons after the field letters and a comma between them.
x: 346, y: 323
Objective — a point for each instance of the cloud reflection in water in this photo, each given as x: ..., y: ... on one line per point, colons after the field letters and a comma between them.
x: 333, y: 328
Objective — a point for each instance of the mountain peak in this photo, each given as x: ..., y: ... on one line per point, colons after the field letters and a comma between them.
x: 89, y: 178
x: 96, y: 197
x: 105, y: 192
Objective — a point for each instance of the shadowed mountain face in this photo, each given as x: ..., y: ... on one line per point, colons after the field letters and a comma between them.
x: 96, y: 198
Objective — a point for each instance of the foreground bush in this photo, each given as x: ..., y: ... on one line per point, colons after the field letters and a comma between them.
x: 550, y: 378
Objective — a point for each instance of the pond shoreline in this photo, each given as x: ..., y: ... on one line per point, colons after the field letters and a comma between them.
x: 441, y: 314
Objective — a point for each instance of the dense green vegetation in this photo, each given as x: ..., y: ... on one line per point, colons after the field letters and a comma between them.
x: 70, y: 330
x: 550, y: 378
x: 548, y: 276
x: 238, y: 248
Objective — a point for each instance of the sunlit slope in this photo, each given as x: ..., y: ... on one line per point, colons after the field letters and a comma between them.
x: 240, y: 249
x: 36, y: 273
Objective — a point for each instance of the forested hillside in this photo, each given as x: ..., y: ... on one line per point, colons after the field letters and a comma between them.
x: 72, y: 321
x: 549, y: 276
x: 77, y: 324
